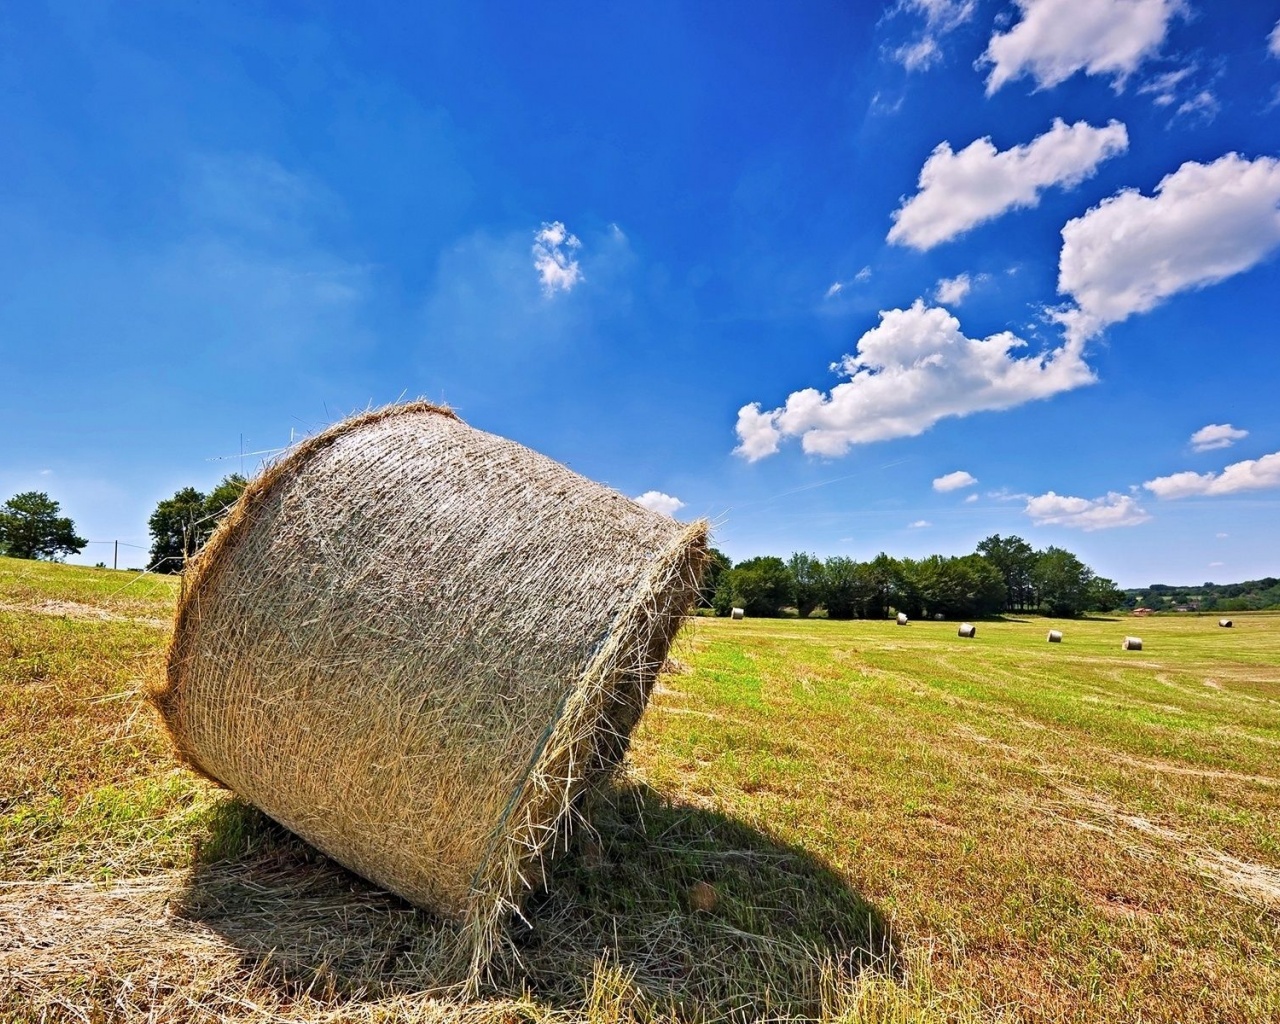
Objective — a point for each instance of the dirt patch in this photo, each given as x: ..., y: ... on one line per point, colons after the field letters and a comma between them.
x: 76, y: 610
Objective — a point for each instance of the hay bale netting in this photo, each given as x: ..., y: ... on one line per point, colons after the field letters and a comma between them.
x: 1055, y: 636
x: 737, y: 613
x: 1131, y: 643
x: 416, y: 644
x: 1224, y: 623
x: 967, y: 630
x: 902, y: 618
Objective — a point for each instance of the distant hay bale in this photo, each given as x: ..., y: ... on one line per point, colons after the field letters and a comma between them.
x: 737, y: 613
x: 967, y: 630
x: 938, y: 616
x: 416, y: 645
x: 1224, y: 623
x: 1131, y: 643
x: 1055, y: 636
x: 902, y: 618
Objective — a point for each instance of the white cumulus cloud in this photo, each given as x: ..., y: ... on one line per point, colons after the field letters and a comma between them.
x: 951, y: 291
x: 552, y: 259
x: 1249, y: 475
x: 1056, y: 38
x: 656, y: 501
x: 919, y: 524
x: 954, y: 481
x: 1216, y: 435
x: 1204, y: 223
x: 1086, y: 514
x: 913, y: 369
x: 958, y: 191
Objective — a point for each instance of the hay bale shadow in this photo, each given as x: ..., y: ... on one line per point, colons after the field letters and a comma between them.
x: 697, y: 912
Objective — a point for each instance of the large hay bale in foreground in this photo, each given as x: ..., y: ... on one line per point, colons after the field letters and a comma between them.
x: 416, y: 644
x: 967, y: 630
x: 1131, y: 643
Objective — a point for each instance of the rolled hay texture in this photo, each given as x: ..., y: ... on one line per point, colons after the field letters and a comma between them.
x: 967, y: 630
x: 902, y: 618
x: 1055, y: 636
x: 417, y: 645
x: 1131, y: 643
x: 1224, y: 623
x: 737, y: 613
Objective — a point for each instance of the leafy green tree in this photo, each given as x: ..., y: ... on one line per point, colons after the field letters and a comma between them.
x: 843, y: 587
x: 762, y: 586
x: 722, y: 602
x: 807, y: 572
x: 222, y: 497
x: 30, y: 527
x: 904, y: 588
x: 881, y: 577
x: 1015, y: 560
x: 718, y: 563
x: 1103, y: 595
x: 1062, y: 582
x: 180, y: 526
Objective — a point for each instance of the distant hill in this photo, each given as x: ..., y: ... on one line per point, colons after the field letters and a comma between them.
x: 1252, y: 595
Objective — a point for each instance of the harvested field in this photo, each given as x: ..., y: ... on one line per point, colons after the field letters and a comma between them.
x: 843, y: 821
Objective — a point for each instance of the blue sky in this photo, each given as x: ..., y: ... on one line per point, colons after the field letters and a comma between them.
x: 842, y: 277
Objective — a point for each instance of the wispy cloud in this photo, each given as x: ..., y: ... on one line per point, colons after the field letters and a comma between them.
x: 1056, y: 38
x: 940, y: 17
x: 1202, y: 107
x: 1086, y: 514
x: 958, y: 191
x: 919, y: 524
x: 1216, y: 435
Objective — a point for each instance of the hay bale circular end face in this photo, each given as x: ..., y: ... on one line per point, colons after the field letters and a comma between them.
x: 1055, y: 636
x: 416, y: 644
x: 1131, y: 643
x: 967, y: 630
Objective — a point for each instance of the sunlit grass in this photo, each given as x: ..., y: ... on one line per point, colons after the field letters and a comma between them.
x: 850, y: 821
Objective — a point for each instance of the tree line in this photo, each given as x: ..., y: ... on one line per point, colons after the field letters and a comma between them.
x: 1004, y: 574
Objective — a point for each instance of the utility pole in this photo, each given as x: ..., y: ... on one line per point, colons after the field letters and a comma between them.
x: 115, y: 558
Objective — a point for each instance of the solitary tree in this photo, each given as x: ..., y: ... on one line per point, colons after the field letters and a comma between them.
x: 30, y: 527
x: 181, y: 525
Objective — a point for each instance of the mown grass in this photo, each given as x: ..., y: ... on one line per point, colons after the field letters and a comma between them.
x: 840, y: 821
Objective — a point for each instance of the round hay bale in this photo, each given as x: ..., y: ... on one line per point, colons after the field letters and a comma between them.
x: 967, y: 630
x: 1224, y: 623
x: 1131, y: 643
x: 1055, y: 636
x: 902, y: 618
x: 737, y: 613
x: 416, y: 645
x: 938, y: 616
